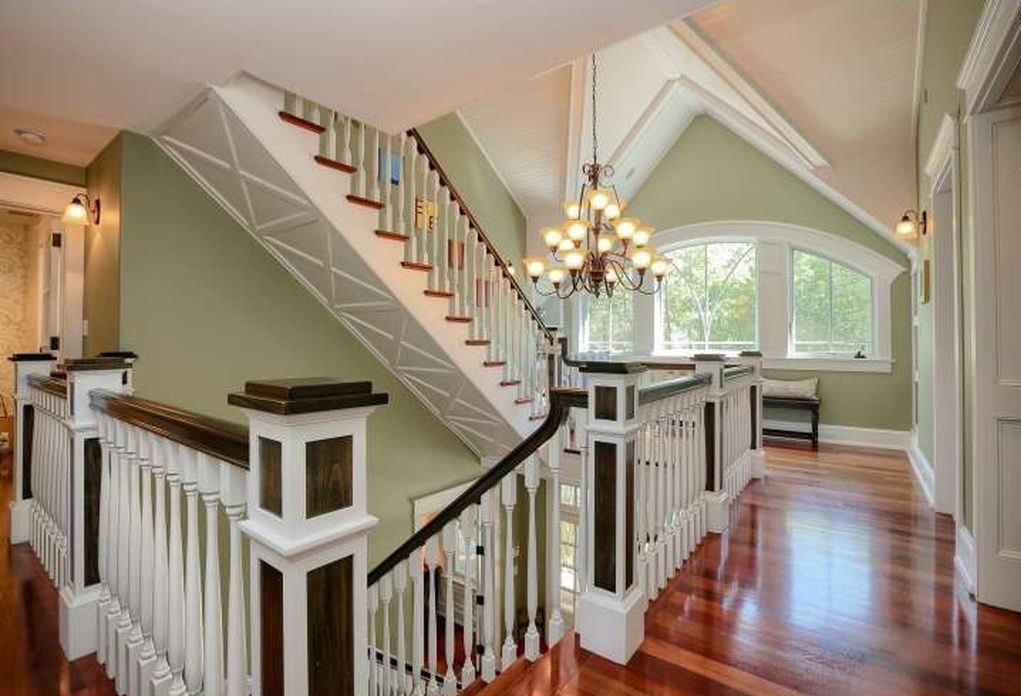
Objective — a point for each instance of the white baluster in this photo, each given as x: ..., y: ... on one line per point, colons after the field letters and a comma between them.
x: 360, y: 179
x: 147, y: 652
x: 192, y: 580
x: 432, y: 235
x: 373, y: 662
x: 418, y: 619
x: 489, y: 593
x: 113, y: 610
x: 176, y: 638
x: 469, y: 533
x: 555, y: 450
x: 161, y: 568
x: 236, y: 637
x: 449, y: 546
x: 386, y: 187
x: 372, y: 166
x: 434, y: 561
x: 401, y: 584
x: 212, y: 621
x: 385, y: 595
x: 508, y: 496
x: 128, y: 493
x: 102, y: 606
x: 532, y: 633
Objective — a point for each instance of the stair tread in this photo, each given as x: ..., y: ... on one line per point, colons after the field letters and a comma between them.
x: 335, y: 164
x: 477, y: 342
x: 411, y: 265
x: 494, y: 363
x: 300, y: 122
x: 395, y: 236
x: 459, y: 319
x: 510, y: 382
x: 367, y: 202
x: 438, y: 293
x: 523, y: 400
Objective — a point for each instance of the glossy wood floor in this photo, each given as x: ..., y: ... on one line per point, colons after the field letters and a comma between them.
x: 835, y: 579
x: 31, y: 662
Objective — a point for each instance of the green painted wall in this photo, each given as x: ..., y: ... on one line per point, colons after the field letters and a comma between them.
x: 948, y: 29
x: 102, y: 252
x: 712, y: 174
x: 479, y: 185
x: 38, y: 168
x: 207, y: 308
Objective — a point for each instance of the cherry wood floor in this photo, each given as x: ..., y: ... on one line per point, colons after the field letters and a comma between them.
x: 834, y: 579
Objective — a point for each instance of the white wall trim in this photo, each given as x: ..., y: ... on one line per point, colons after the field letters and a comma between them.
x: 874, y: 438
x: 942, y: 147
x: 964, y: 557
x: 36, y: 195
x: 922, y: 469
x: 923, y: 13
x: 992, y: 55
x: 880, y: 365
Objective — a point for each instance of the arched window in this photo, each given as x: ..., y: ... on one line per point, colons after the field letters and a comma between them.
x: 709, y: 298
x: 832, y: 307
x: 609, y: 324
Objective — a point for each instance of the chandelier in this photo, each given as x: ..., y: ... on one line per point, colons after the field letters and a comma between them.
x: 595, y: 250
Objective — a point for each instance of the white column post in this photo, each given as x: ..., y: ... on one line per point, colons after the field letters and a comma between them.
x: 25, y: 364
x: 81, y: 487
x: 717, y: 500
x: 610, y: 613
x: 308, y: 523
x: 758, y: 453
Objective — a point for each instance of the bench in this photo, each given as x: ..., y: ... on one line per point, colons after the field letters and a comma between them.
x: 799, y: 404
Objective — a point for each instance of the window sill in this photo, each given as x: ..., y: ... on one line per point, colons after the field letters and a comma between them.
x: 816, y: 363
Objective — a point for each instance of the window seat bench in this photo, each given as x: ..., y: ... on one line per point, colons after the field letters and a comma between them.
x: 810, y: 404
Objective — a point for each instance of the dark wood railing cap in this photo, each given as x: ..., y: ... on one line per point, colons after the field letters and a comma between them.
x: 123, y: 354
x: 48, y: 384
x: 31, y: 357
x: 673, y: 387
x: 305, y: 395
x: 608, y: 367
x: 708, y: 357
x: 86, y: 364
x: 750, y: 353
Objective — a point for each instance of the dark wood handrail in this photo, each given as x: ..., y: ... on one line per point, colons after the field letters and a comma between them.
x: 218, y: 438
x: 434, y: 164
x: 562, y: 400
x: 735, y: 371
x: 49, y: 384
x: 673, y: 387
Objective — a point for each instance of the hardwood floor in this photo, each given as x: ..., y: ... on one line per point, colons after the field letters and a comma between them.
x: 835, y: 579
x: 31, y: 662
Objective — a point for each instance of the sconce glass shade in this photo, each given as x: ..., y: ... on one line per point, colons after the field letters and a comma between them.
x: 907, y: 227
x: 75, y: 214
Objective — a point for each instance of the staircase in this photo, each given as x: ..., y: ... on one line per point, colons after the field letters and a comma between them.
x: 370, y: 225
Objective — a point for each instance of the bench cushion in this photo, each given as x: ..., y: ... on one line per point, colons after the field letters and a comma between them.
x: 790, y: 388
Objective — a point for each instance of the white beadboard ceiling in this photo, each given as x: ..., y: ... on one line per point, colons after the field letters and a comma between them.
x: 825, y: 87
x: 113, y: 64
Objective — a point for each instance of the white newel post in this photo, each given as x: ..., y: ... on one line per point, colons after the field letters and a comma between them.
x: 79, y: 631
x: 758, y: 454
x: 308, y: 523
x: 611, y: 617
x: 717, y: 500
x: 25, y: 364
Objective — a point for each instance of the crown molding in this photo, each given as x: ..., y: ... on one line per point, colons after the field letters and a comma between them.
x: 993, y: 54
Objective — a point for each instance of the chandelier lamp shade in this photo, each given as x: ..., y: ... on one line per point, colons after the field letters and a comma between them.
x: 595, y: 249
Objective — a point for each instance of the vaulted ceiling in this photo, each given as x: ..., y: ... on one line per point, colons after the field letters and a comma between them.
x: 79, y: 72
x: 825, y: 87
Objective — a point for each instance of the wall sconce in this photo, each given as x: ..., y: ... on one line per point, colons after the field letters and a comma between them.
x: 910, y: 225
x: 80, y: 211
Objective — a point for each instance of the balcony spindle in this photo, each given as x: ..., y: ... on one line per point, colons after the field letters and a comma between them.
x: 434, y: 562
x: 509, y: 496
x: 489, y: 593
x: 161, y: 566
x: 147, y: 653
x: 449, y: 547
x: 555, y: 452
x: 532, y: 633
x: 469, y: 533
x: 193, y: 648
x: 212, y: 621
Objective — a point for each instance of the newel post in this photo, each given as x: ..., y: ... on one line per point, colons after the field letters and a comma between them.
x: 25, y: 364
x: 611, y: 610
x: 79, y: 597
x: 758, y: 454
x: 717, y: 500
x: 308, y: 524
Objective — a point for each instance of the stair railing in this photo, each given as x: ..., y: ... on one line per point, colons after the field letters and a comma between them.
x: 418, y: 205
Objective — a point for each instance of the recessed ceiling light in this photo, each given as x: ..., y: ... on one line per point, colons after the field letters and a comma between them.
x: 30, y: 137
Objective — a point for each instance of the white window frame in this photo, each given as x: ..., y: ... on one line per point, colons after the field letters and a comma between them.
x: 774, y: 307
x: 792, y: 309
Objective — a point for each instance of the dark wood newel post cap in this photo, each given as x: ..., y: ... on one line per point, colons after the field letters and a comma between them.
x: 750, y: 353
x: 708, y: 357
x: 612, y: 368
x: 31, y: 357
x: 305, y: 395
x: 86, y: 364
x: 122, y: 354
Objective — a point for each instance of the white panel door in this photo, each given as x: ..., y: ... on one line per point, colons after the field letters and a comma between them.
x: 997, y: 355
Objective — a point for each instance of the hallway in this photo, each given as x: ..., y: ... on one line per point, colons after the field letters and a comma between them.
x: 836, y: 579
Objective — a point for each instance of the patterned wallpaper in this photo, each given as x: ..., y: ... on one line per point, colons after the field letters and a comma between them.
x: 16, y: 321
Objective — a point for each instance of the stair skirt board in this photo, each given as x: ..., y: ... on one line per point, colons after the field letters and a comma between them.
x: 214, y: 139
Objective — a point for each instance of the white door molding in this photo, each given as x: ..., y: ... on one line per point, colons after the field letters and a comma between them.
x: 995, y: 139
x: 993, y: 55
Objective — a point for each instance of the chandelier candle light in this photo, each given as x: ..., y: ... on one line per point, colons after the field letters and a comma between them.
x: 595, y: 250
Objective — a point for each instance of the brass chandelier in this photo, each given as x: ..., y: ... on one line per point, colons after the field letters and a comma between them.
x: 595, y: 250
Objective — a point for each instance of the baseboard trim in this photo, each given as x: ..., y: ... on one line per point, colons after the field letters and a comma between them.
x: 964, y: 557
x: 923, y: 471
x: 849, y: 435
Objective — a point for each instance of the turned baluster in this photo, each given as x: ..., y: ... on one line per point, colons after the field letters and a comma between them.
x: 147, y: 651
x: 555, y: 451
x: 417, y: 565
x: 373, y: 601
x: 488, y: 661
x: 385, y: 595
x: 113, y: 610
x: 161, y: 451
x: 236, y: 638
x: 508, y: 496
x: 467, y: 521
x: 434, y: 562
x: 193, y: 648
x: 401, y: 585
x: 176, y: 637
x: 532, y: 632
x: 102, y: 606
x: 212, y: 622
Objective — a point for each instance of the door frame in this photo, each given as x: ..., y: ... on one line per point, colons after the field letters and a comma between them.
x: 943, y: 171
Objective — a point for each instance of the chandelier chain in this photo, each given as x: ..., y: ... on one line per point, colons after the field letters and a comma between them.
x: 595, y: 149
